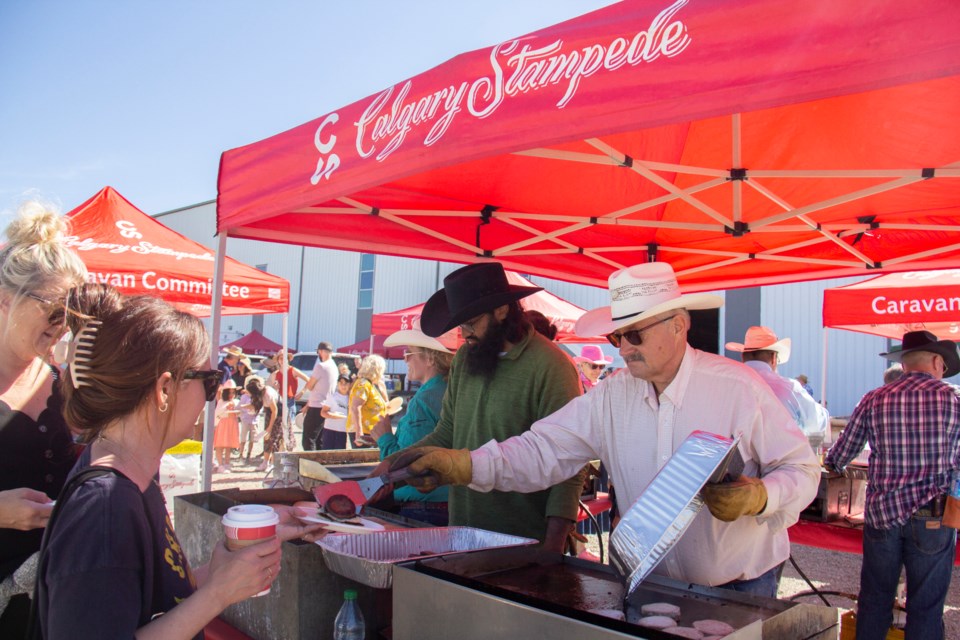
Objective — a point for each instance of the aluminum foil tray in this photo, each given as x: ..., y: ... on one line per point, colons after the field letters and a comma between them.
x: 369, y: 558
x: 667, y: 506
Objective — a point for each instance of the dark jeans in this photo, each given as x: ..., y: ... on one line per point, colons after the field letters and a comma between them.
x: 927, y: 554
x: 333, y: 439
x: 766, y: 584
x: 312, y: 427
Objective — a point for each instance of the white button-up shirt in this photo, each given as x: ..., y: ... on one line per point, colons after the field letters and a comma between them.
x: 812, y: 418
x: 623, y: 423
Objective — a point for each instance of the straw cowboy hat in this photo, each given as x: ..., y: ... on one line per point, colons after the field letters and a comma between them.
x: 468, y: 292
x: 446, y: 343
x: 762, y: 339
x: 234, y: 351
x: 926, y: 341
x: 641, y: 292
x: 593, y: 355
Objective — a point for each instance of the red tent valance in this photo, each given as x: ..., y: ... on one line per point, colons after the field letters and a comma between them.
x: 894, y: 304
x: 125, y: 247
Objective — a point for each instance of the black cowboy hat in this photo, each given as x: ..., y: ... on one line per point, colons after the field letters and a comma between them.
x: 468, y: 292
x: 926, y: 341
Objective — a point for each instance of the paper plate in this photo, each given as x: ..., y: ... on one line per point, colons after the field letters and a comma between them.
x: 365, y: 526
x: 394, y: 405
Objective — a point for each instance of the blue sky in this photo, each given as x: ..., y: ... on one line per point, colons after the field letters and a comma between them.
x: 144, y: 96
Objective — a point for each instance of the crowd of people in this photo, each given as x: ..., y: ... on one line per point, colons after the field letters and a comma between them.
x: 500, y: 432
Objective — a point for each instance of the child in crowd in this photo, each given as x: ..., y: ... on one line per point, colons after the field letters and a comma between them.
x: 226, y: 437
x: 334, y: 411
x: 248, y: 425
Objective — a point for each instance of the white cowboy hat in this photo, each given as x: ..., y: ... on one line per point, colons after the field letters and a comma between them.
x: 446, y: 343
x: 592, y: 354
x: 762, y: 339
x: 641, y: 292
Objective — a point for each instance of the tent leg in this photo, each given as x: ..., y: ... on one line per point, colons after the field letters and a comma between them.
x: 215, y: 310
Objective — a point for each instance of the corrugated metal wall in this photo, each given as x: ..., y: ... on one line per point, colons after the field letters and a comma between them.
x: 327, y: 307
x: 853, y: 366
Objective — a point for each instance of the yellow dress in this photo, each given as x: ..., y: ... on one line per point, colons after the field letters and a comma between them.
x: 374, y: 406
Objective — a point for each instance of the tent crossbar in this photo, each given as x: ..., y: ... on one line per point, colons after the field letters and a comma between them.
x: 737, y: 161
x: 666, y: 185
x: 922, y: 254
x: 919, y: 227
x: 670, y: 197
x: 431, y: 233
x: 568, y: 246
x: 842, y: 199
x: 945, y: 172
x: 543, y: 237
x: 758, y: 256
x: 577, y: 156
x: 662, y: 224
x: 811, y: 224
x: 340, y: 211
x: 710, y: 267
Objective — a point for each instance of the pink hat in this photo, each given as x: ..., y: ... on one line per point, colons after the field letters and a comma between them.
x: 762, y: 339
x: 592, y: 354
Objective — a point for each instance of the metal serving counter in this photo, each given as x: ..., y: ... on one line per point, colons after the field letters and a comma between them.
x: 531, y: 594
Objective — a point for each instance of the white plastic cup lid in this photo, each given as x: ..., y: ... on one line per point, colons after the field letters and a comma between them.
x: 250, y: 515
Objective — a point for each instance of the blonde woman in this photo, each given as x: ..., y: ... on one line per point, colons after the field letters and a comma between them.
x: 368, y: 400
x: 36, y: 447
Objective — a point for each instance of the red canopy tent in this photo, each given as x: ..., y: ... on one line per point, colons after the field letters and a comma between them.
x: 254, y: 343
x: 746, y: 142
x: 893, y: 304
x: 125, y: 247
x: 561, y: 313
x: 362, y: 348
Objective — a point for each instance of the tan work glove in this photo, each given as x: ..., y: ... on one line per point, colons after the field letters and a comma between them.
x: 445, y: 466
x: 728, y: 501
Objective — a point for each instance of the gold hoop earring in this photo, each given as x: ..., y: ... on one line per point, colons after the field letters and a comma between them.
x: 163, y: 408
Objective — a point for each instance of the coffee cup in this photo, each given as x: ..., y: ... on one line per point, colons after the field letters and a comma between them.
x: 247, y: 524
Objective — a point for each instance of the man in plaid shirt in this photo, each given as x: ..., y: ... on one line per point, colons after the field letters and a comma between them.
x: 913, y: 427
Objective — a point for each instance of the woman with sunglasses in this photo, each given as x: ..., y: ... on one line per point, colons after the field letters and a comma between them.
x: 137, y: 377
x: 428, y: 362
x: 36, y: 447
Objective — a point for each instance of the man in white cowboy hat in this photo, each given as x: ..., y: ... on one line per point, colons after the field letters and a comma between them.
x: 913, y: 427
x: 231, y: 357
x: 591, y: 362
x: 504, y: 378
x: 762, y: 351
x: 634, y: 419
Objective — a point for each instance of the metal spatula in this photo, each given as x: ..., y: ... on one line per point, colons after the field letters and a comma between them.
x: 360, y: 491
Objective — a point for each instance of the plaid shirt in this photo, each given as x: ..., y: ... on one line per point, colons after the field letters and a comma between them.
x: 913, y: 426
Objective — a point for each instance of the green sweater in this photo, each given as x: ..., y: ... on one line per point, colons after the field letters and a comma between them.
x: 532, y: 380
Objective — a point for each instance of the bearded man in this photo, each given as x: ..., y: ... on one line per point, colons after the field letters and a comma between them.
x: 506, y: 377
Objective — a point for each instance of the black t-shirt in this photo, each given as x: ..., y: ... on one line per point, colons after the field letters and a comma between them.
x: 36, y: 454
x: 113, y: 562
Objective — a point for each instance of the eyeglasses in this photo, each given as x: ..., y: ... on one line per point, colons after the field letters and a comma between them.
x: 469, y: 324
x: 409, y: 354
x: 53, y: 308
x: 594, y: 366
x: 634, y: 336
x: 210, y: 379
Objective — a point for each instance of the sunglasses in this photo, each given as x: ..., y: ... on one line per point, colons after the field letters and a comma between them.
x: 634, y: 336
x: 210, y: 379
x: 594, y: 366
x: 469, y: 324
x: 53, y: 308
x: 409, y: 354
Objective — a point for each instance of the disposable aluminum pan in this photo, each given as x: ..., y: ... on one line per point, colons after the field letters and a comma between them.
x: 369, y: 558
x: 667, y: 506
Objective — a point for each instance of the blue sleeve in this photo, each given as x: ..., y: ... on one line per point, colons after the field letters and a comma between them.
x: 420, y: 420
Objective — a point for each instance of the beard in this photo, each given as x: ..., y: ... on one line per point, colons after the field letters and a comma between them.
x: 483, y: 357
